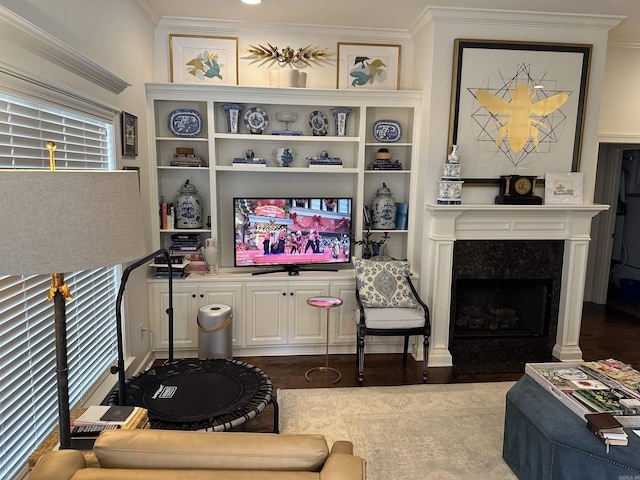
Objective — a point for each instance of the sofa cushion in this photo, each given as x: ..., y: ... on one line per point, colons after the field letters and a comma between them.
x: 155, y: 474
x: 170, y: 449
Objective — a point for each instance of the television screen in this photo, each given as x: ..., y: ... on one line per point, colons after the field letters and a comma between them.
x: 289, y: 232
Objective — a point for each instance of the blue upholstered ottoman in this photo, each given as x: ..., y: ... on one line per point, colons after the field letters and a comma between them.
x: 543, y: 439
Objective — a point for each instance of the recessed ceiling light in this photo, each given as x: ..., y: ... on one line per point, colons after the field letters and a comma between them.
x: 252, y: 2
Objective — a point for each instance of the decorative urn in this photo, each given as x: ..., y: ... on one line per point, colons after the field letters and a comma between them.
x: 383, y: 209
x: 210, y: 253
x: 188, y: 206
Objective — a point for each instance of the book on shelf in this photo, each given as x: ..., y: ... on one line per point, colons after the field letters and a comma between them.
x: 402, y: 213
x: 166, y: 215
x: 249, y: 162
x: 125, y: 417
x: 185, y: 237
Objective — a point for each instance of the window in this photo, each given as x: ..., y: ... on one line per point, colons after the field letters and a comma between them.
x: 28, y: 397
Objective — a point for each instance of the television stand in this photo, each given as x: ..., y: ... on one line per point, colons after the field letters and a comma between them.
x: 294, y: 270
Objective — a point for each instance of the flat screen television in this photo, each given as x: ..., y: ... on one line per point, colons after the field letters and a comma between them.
x: 290, y: 234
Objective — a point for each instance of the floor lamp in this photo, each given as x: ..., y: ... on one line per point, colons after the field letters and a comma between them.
x: 65, y: 221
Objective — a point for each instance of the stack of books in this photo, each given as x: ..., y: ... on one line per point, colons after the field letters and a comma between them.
x: 321, y: 161
x: 249, y: 162
x: 98, y: 418
x: 607, y: 429
x: 185, y: 244
x: 185, y: 157
x: 385, y: 165
x: 197, y: 263
x: 179, y: 266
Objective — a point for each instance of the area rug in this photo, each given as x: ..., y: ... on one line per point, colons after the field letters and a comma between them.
x: 413, y: 432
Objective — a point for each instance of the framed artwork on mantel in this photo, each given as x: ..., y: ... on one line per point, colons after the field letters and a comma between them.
x: 363, y: 66
x: 517, y: 108
x: 203, y: 59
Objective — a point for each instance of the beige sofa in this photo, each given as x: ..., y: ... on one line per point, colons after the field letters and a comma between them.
x: 170, y: 454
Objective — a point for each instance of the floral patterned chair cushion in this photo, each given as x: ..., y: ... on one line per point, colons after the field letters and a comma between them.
x: 384, y: 284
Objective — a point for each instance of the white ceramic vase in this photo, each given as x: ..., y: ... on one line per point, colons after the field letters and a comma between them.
x: 210, y: 252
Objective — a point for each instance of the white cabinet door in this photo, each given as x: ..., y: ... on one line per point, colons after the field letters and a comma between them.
x: 185, y: 310
x: 344, y: 326
x: 266, y: 314
x: 306, y: 324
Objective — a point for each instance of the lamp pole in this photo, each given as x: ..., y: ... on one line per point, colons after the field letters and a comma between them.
x: 60, y: 294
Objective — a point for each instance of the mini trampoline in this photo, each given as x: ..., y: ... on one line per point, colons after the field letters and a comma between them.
x: 193, y: 394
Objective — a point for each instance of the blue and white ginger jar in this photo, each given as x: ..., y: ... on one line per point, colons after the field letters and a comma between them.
x: 383, y: 209
x: 188, y: 207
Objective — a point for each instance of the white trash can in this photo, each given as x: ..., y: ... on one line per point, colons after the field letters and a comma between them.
x: 215, y: 332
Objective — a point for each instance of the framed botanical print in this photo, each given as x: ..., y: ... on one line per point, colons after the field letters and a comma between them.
x: 364, y: 66
x: 203, y: 59
x: 517, y: 107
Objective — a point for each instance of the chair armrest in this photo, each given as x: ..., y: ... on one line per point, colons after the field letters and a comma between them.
x: 58, y: 465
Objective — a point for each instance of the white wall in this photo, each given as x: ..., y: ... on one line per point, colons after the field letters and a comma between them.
x: 620, y: 102
x: 116, y: 36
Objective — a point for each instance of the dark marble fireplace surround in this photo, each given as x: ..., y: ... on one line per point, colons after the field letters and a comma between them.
x: 505, y: 298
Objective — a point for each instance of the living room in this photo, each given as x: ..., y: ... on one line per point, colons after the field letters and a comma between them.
x: 60, y: 43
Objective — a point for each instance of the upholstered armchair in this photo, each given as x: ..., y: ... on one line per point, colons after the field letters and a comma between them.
x: 388, y: 304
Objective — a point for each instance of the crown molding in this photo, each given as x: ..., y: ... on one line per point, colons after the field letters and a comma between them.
x: 204, y: 26
x: 36, y: 40
x: 502, y: 18
x: 148, y: 10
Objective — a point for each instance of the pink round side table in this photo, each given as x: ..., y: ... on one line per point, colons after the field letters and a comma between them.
x: 326, y: 303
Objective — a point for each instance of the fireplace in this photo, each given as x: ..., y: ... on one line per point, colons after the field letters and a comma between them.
x: 504, y: 303
x: 501, y: 308
x: 448, y: 227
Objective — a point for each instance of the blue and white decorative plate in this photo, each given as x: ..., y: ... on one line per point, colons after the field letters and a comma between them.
x: 256, y: 120
x: 185, y: 122
x: 387, y: 130
x: 318, y: 123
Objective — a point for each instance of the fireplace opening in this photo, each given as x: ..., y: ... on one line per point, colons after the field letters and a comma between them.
x: 505, y: 300
x: 502, y: 308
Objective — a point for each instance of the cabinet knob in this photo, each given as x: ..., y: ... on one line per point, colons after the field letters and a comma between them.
x: 291, y: 293
x: 193, y: 295
x: 284, y: 294
x: 202, y: 295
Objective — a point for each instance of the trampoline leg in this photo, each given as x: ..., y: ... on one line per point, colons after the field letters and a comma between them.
x: 276, y: 415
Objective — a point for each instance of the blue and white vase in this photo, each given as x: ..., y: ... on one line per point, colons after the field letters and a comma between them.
x: 383, y: 209
x: 233, y: 111
x: 188, y: 206
x: 340, y: 117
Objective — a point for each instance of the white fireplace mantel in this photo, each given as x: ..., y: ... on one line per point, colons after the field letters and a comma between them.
x: 444, y: 224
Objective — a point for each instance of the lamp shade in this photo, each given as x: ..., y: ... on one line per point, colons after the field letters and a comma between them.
x: 65, y: 221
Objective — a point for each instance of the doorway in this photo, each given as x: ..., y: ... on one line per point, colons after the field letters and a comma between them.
x: 613, y: 270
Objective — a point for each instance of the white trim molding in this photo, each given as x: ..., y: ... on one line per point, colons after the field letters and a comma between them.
x: 36, y: 40
x: 444, y: 224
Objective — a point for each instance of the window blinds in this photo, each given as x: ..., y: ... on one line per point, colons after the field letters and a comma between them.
x: 28, y: 397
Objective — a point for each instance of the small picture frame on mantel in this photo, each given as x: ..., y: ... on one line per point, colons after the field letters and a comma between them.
x: 563, y: 187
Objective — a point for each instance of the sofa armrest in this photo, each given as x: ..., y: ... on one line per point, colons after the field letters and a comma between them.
x: 342, y: 446
x: 58, y: 465
x: 341, y: 466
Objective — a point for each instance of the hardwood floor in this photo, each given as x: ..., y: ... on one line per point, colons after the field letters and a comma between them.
x: 605, y: 333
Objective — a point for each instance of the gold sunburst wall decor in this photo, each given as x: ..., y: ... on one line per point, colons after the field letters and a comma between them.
x: 306, y: 55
